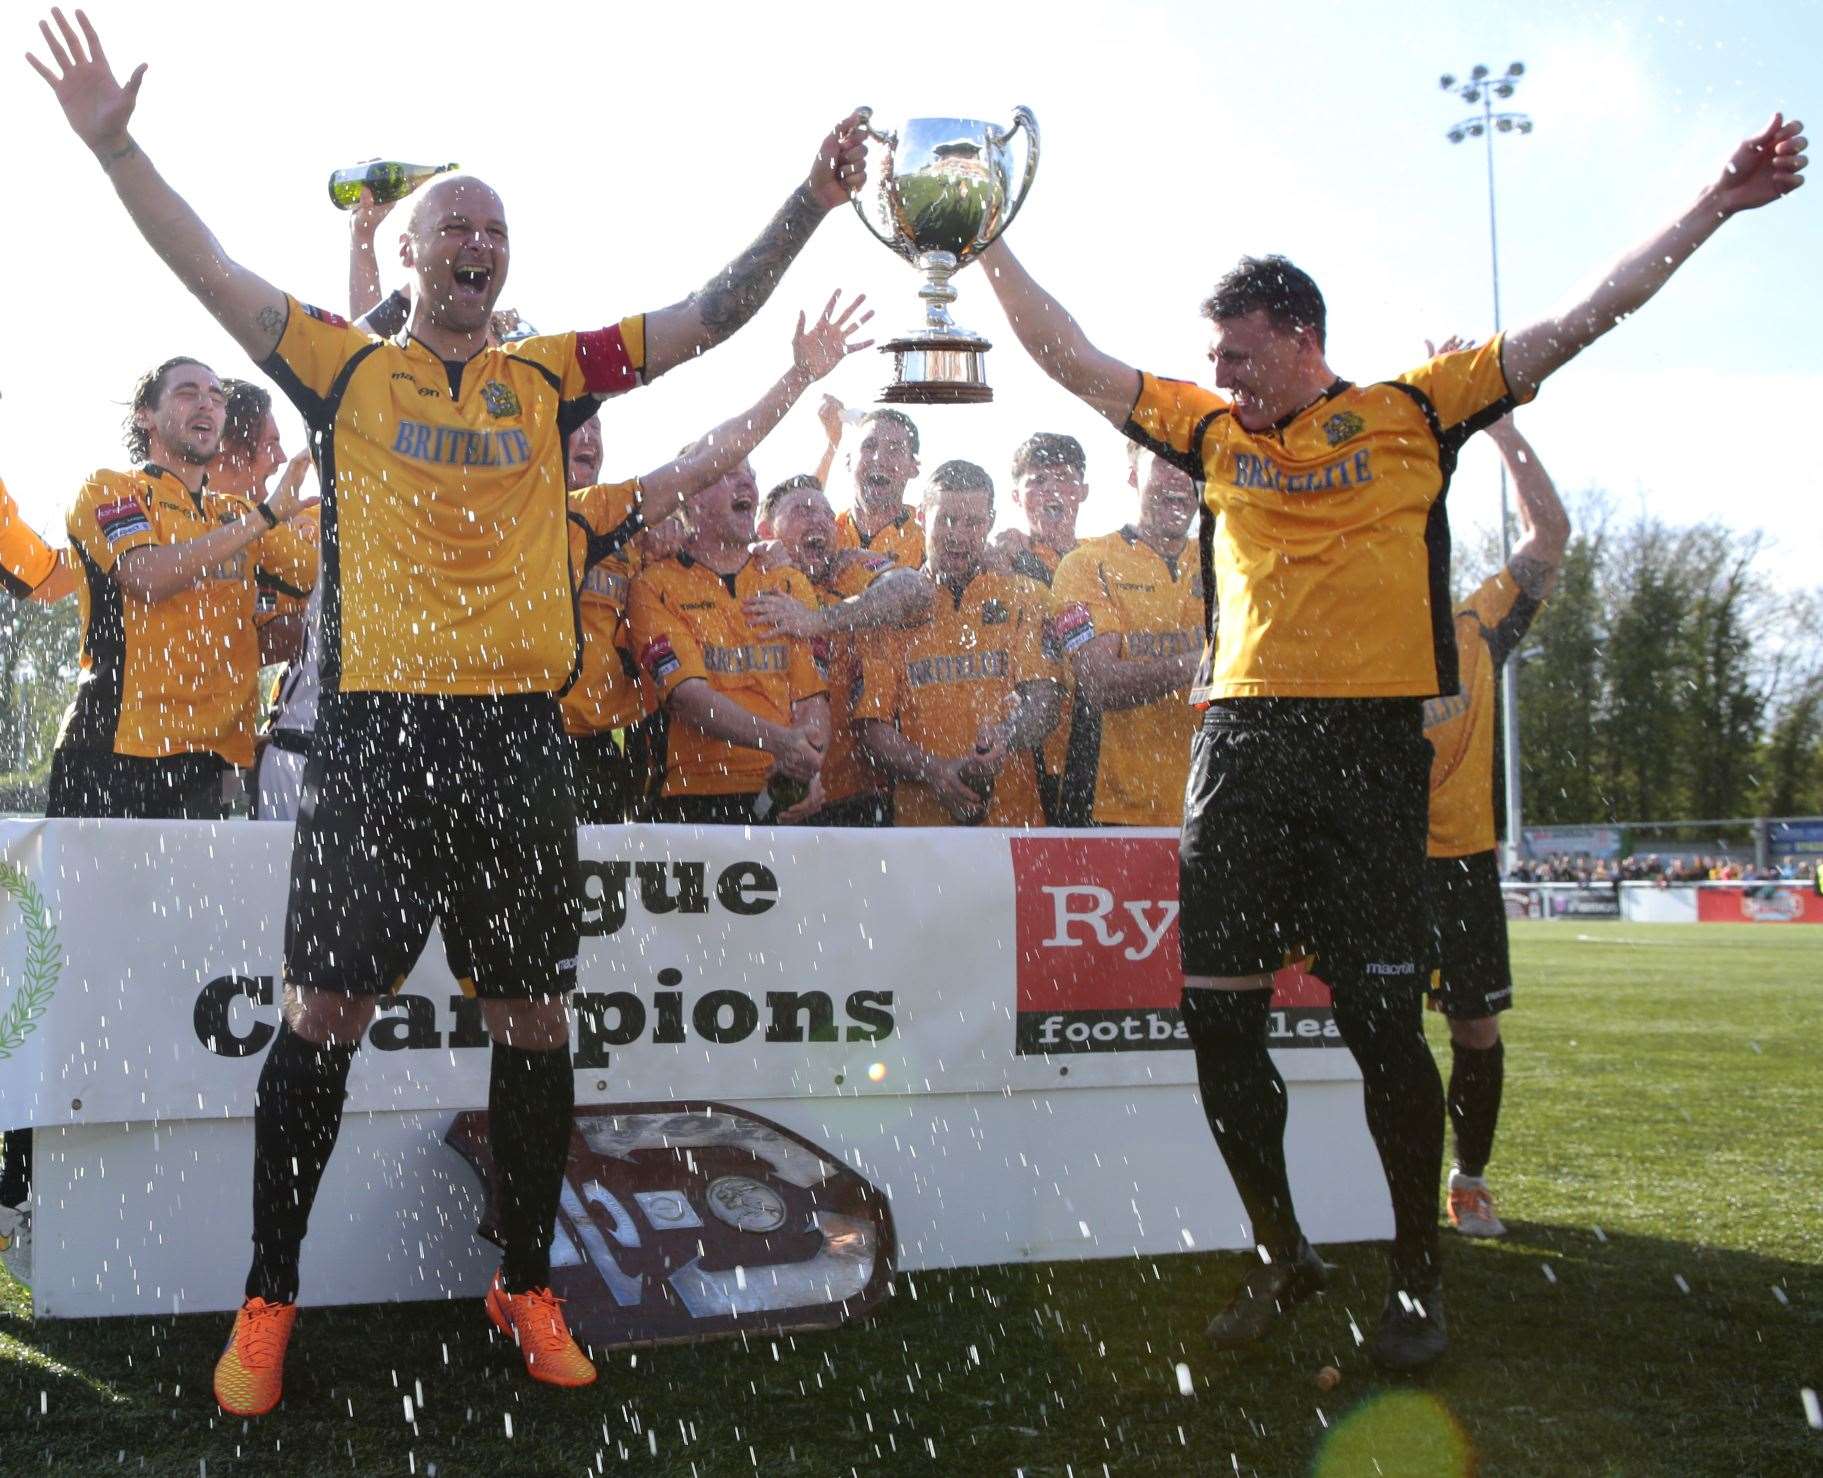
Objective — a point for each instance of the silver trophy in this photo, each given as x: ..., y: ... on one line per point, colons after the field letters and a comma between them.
x: 940, y: 191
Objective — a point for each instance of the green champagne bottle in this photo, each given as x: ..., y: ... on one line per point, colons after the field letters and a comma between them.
x: 781, y: 794
x: 980, y: 779
x: 386, y: 179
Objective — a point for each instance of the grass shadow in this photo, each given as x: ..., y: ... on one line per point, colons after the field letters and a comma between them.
x: 1573, y: 1350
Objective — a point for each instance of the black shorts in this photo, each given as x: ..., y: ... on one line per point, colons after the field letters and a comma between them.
x: 610, y: 782
x: 1474, y: 973
x: 422, y: 807
x: 707, y: 810
x: 1304, y: 833
x: 869, y: 808
x: 96, y: 782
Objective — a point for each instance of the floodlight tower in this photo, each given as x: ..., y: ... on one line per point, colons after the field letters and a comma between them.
x: 1483, y: 88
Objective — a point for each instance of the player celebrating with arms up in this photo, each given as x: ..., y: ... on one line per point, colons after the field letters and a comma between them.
x: 1475, y: 977
x: 439, y: 784
x: 1305, y: 816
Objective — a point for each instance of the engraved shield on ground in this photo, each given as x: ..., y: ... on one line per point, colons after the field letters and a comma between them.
x: 683, y: 1221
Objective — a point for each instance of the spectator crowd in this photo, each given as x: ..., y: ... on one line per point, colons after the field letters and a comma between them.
x: 1652, y: 867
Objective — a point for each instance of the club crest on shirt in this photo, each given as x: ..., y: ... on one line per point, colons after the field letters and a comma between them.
x: 1343, y: 426
x: 499, y: 399
x: 995, y: 613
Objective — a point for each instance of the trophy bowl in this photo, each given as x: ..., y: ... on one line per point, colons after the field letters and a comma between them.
x: 939, y: 192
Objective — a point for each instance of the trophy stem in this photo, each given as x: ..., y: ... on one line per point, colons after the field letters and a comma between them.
x: 938, y: 291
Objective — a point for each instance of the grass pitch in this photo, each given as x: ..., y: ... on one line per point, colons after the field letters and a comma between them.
x: 1657, y: 1308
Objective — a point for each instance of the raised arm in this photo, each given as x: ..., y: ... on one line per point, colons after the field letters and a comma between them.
x: 98, y: 108
x: 721, y: 305
x: 1765, y: 168
x: 830, y: 413
x: 363, y: 265
x: 1052, y: 337
x: 815, y: 351
x: 1538, y: 556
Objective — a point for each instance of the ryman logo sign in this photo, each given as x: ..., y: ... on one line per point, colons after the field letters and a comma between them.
x: 1099, y: 965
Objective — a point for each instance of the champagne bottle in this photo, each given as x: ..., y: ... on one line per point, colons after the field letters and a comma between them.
x: 386, y: 179
x: 781, y: 794
x: 979, y: 778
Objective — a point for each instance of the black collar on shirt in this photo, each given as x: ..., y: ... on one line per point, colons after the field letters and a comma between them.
x: 958, y: 595
x: 1131, y: 535
x: 451, y: 367
x: 689, y: 561
x: 867, y: 540
x: 154, y: 471
x: 1335, y: 388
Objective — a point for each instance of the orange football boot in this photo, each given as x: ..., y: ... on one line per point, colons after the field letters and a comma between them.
x: 534, y: 1321
x: 250, y: 1376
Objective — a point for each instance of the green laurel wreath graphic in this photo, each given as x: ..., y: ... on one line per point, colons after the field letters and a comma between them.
x: 43, y: 961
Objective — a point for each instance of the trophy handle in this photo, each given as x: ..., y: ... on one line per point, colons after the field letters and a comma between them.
x: 887, y: 137
x: 1022, y: 118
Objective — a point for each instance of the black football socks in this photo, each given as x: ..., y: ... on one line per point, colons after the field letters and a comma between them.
x: 1383, y: 1026
x: 1477, y: 1075
x: 296, y: 1119
x: 1244, y: 1101
x: 531, y: 1100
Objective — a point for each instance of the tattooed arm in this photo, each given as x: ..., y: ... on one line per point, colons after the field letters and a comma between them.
x: 714, y: 311
x: 98, y: 109
x: 1538, y: 556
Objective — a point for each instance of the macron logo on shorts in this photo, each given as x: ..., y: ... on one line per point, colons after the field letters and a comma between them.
x: 1404, y: 967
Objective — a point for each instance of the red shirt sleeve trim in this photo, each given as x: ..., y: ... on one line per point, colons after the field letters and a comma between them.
x: 607, y: 368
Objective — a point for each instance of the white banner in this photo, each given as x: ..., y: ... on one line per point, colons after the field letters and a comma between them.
x: 1649, y: 903
x: 140, y: 968
x: 1595, y: 841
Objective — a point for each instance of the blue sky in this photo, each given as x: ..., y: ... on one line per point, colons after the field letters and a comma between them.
x: 637, y: 152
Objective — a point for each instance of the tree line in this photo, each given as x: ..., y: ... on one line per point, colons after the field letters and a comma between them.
x: 39, y: 647
x: 1670, y: 676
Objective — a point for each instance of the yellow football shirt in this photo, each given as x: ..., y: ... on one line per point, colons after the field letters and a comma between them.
x: 178, y: 676
x: 276, y: 596
x: 902, y: 540
x: 847, y: 772
x: 1463, y: 726
x: 939, y: 682
x: 1132, y: 761
x: 1039, y: 561
x: 26, y: 561
x: 1331, y: 554
x: 606, y: 694
x: 446, y: 544
x: 687, y: 622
